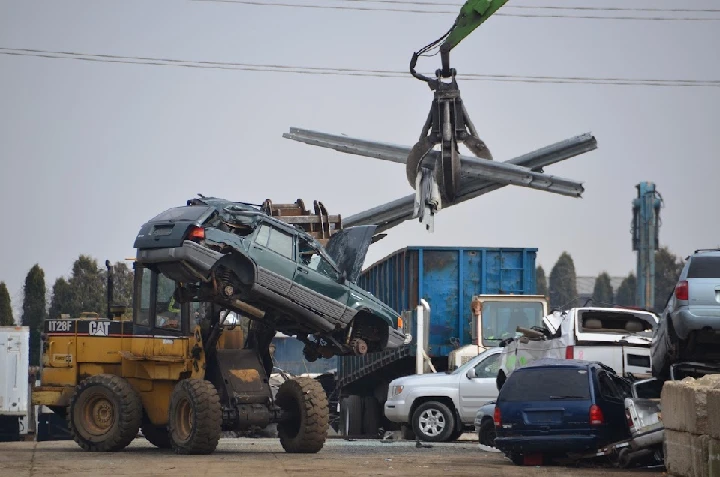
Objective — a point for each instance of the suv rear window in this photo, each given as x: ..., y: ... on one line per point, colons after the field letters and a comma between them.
x: 546, y: 384
x: 704, y: 267
x: 190, y: 213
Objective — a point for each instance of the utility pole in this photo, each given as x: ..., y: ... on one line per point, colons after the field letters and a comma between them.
x: 645, y: 240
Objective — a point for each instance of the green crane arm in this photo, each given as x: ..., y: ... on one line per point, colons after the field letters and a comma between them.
x: 472, y: 15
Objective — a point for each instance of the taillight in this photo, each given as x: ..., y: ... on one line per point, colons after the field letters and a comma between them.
x: 496, y: 417
x: 196, y: 233
x: 681, y: 291
x: 570, y: 352
x: 596, y: 416
x: 628, y: 417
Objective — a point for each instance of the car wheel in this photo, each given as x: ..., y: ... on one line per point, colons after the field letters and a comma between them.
x: 433, y: 422
x: 486, y: 434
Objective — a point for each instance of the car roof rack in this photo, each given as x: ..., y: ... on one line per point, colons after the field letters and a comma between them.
x: 706, y: 250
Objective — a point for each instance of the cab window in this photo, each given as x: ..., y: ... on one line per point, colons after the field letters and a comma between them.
x: 143, y: 284
x: 167, y: 310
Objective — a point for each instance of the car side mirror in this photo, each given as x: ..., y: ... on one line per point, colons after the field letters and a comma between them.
x: 471, y: 373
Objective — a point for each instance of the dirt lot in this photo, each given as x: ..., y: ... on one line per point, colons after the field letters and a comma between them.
x: 265, y: 457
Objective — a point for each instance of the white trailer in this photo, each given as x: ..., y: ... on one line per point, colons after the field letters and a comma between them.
x: 14, y: 383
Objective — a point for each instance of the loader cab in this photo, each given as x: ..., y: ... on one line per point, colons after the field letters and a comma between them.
x: 155, y: 310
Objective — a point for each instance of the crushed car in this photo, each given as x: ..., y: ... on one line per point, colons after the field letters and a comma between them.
x: 617, y: 337
x: 238, y: 256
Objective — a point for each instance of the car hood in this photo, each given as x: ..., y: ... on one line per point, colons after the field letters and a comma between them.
x: 348, y: 248
x: 431, y: 379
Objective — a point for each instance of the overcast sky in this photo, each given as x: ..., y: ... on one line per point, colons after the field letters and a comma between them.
x: 90, y: 150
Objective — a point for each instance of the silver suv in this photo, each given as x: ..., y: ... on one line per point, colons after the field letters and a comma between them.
x: 689, y: 328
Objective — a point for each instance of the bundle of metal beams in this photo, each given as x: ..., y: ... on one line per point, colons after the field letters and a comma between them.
x: 478, y: 176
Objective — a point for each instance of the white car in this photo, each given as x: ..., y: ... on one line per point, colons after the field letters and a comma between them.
x: 439, y: 407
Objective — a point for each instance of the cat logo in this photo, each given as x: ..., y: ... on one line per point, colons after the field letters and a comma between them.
x: 98, y: 328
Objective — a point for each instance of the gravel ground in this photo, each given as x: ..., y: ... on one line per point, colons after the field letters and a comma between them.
x: 265, y: 457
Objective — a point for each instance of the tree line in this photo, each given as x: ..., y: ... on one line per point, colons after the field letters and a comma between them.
x: 85, y: 290
x: 561, y: 286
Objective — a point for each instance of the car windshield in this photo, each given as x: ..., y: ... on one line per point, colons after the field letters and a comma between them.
x: 500, y: 319
x: 471, y: 363
x: 190, y: 213
x: 704, y: 267
x: 546, y: 384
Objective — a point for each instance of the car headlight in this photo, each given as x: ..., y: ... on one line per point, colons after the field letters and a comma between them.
x: 397, y: 390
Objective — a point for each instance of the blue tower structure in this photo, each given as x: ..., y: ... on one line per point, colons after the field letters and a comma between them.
x: 645, y: 240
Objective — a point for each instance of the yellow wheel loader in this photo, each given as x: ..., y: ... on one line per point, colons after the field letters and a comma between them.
x: 180, y: 373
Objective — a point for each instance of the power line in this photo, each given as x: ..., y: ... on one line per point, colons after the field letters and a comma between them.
x: 548, y: 7
x: 313, y: 70
x: 455, y: 12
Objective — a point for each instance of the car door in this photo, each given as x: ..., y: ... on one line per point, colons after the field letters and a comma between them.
x: 611, y: 396
x: 703, y: 277
x: 476, y: 392
x: 318, y: 279
x: 273, y: 250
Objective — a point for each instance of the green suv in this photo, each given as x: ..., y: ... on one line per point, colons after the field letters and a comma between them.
x: 236, y: 255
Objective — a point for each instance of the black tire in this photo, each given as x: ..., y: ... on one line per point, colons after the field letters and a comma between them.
x: 407, y: 433
x: 351, y: 416
x: 441, y: 422
x: 159, y: 436
x: 305, y: 400
x: 195, y: 417
x: 105, y: 413
x: 456, y: 435
x: 371, y: 416
x: 486, y: 434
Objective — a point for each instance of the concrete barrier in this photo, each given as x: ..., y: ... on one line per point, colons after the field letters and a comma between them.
x: 685, y: 407
x: 687, y: 455
x: 713, y: 411
x: 714, y: 458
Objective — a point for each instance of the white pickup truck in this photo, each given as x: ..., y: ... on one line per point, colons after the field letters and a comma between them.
x: 617, y: 337
x: 439, y: 407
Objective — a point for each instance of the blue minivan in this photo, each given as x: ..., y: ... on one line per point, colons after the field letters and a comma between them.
x: 550, y: 408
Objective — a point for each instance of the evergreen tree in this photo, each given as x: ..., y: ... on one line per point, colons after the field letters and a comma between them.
x: 627, y: 291
x: 667, y: 271
x: 6, y: 314
x: 34, y: 310
x: 87, y: 287
x: 62, y: 299
x: 603, y: 292
x: 541, y: 281
x: 563, y: 283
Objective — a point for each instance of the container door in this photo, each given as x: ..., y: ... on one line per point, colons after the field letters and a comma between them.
x: 14, y: 384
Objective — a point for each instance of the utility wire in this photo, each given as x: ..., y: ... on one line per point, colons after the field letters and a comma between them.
x: 455, y: 12
x: 312, y: 70
x: 547, y: 7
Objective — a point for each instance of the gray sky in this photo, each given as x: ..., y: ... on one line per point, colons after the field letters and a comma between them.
x: 89, y: 151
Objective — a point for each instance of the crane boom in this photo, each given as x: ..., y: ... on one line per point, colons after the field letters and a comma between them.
x: 472, y: 14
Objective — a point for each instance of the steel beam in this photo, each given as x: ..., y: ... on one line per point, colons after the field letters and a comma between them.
x: 505, y: 173
x: 393, y: 213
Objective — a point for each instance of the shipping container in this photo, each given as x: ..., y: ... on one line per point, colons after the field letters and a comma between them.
x: 14, y: 379
x: 447, y: 278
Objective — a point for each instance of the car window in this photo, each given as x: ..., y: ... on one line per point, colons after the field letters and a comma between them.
x: 311, y: 258
x: 143, y: 311
x: 546, y: 384
x: 190, y: 213
x: 610, y: 387
x: 704, y: 267
x: 488, y: 368
x: 276, y: 240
